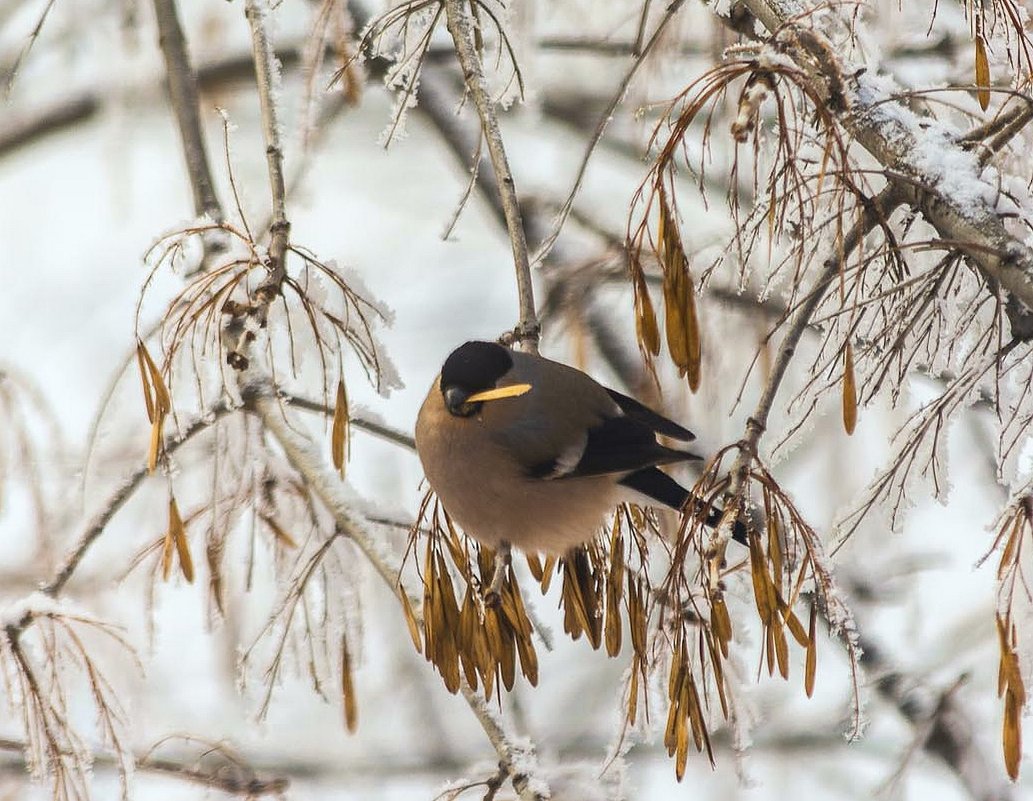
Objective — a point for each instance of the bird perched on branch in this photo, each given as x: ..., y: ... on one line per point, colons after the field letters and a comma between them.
x: 525, y: 450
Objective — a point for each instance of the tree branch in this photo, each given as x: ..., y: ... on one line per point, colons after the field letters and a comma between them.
x: 893, y: 135
x: 95, y: 527
x: 517, y: 757
x: 183, y: 96
x: 460, y: 26
x: 267, y: 77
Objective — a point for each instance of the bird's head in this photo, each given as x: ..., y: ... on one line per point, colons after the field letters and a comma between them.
x: 471, y: 376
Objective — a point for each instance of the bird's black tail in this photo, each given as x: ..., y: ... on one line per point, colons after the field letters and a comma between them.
x: 656, y: 484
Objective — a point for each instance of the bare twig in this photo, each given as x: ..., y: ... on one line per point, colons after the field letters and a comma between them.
x: 183, y: 96
x: 460, y: 26
x: 267, y: 75
x: 240, y: 782
x: 604, y: 121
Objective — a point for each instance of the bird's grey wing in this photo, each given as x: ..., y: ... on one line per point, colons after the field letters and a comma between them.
x: 617, y: 445
x: 657, y: 422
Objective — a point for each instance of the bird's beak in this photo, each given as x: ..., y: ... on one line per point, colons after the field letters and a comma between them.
x: 510, y: 391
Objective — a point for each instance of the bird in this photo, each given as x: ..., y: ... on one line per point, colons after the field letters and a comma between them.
x: 522, y: 450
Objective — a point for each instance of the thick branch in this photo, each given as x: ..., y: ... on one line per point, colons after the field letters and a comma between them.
x: 894, y: 136
x: 460, y: 26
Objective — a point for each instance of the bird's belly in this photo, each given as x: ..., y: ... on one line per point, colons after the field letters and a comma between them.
x: 547, y: 516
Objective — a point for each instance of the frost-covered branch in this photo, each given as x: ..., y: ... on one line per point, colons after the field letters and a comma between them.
x: 96, y: 526
x: 517, y: 757
x: 268, y: 79
x: 924, y: 159
x: 460, y: 26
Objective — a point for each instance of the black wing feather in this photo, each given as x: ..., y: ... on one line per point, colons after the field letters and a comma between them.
x: 656, y: 484
x: 618, y: 445
x: 656, y: 422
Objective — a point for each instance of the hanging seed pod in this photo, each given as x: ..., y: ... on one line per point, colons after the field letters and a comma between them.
x: 339, y: 432
x: 982, y: 70
x: 849, y: 390
x: 351, y: 708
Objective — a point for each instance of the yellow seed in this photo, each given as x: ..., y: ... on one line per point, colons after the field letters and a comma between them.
x: 693, y: 341
x: 633, y: 693
x: 811, y: 664
x: 147, y: 392
x: 781, y: 648
x: 410, y: 620
x: 179, y: 536
x: 982, y: 77
x: 162, y: 399
x: 351, y: 708
x: 849, y: 391
x: 339, y: 432
x: 1012, y: 735
x: 646, y: 328
x: 155, y: 447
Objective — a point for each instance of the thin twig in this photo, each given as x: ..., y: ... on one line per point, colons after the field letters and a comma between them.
x: 266, y: 75
x: 460, y: 26
x: 878, y: 210
x: 604, y: 120
x: 183, y: 96
x: 369, y: 426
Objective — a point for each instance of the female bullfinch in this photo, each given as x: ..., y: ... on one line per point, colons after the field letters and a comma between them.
x: 527, y: 451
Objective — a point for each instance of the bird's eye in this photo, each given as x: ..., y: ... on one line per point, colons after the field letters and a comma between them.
x: 457, y: 402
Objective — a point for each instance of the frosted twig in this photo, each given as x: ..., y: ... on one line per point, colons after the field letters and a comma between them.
x: 460, y: 26
x: 518, y: 758
x: 895, y: 137
x: 878, y: 210
x: 266, y: 75
x: 247, y: 784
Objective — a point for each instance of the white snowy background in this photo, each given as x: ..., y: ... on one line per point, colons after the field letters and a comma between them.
x: 79, y: 208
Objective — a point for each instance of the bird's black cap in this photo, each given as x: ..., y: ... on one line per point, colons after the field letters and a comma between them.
x: 475, y: 366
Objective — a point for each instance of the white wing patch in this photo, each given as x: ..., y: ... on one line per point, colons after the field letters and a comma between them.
x: 569, y: 458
